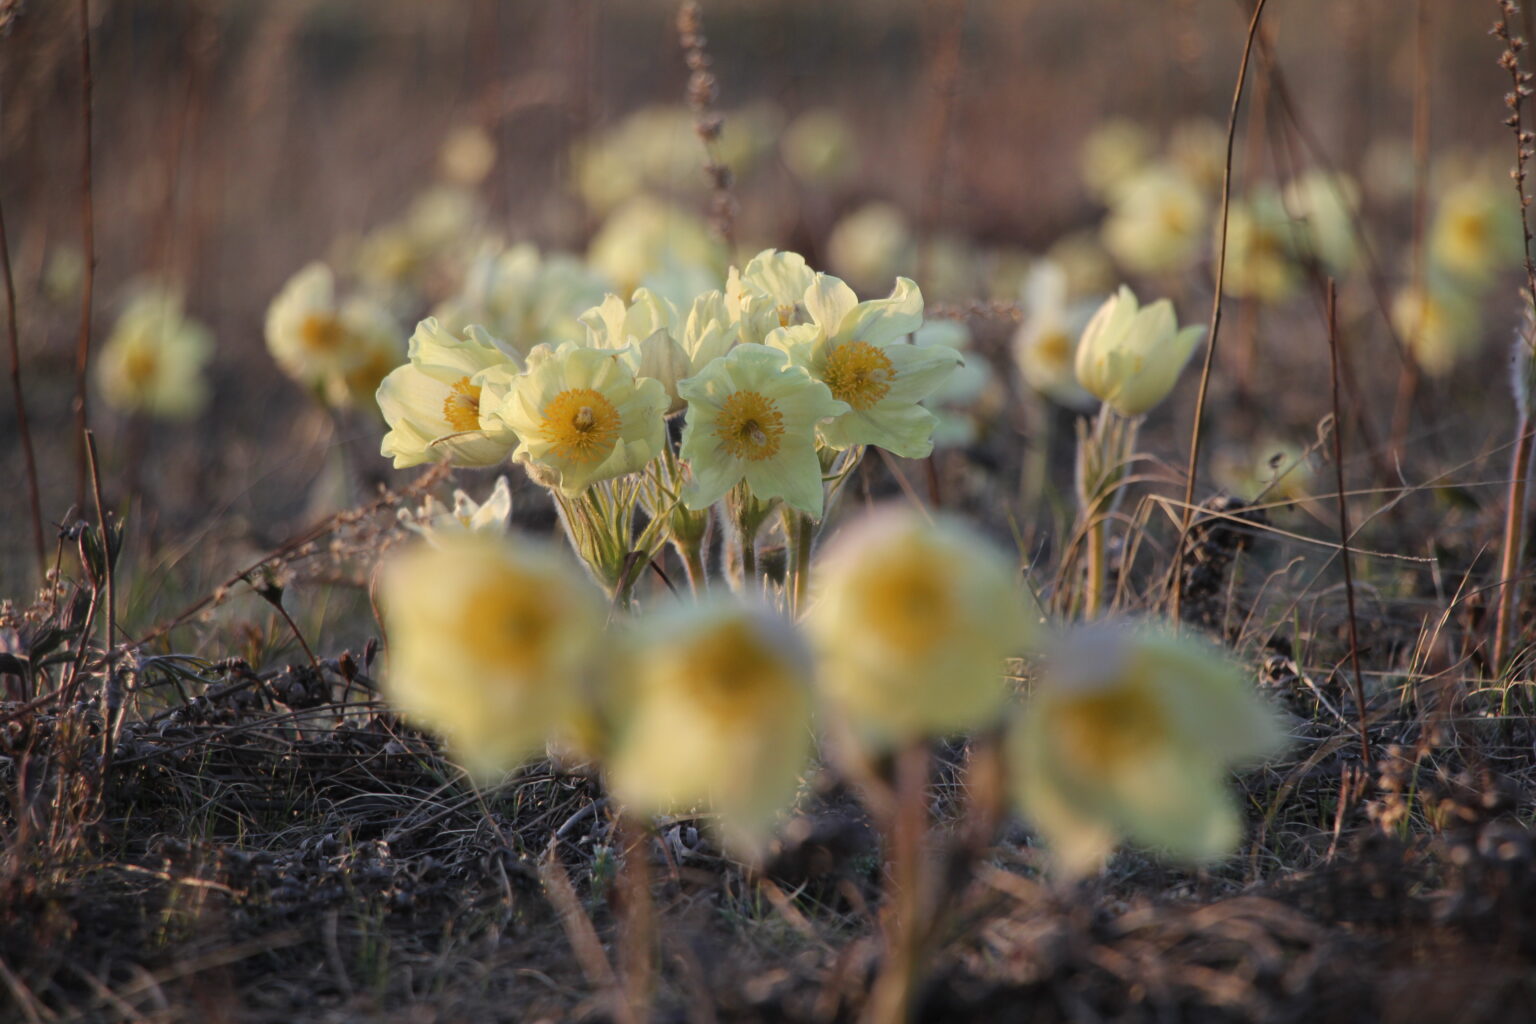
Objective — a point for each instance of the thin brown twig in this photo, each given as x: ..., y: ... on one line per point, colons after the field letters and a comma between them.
x: 703, y: 91
x: 1215, y: 323
x: 1514, y: 522
x: 1344, y: 556
x: 23, y: 426
x: 88, y: 245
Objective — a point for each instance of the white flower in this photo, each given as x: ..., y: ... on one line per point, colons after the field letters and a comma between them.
x: 329, y: 346
x: 1045, y: 345
x: 436, y: 405
x: 858, y: 350
x: 1129, y: 356
x: 1157, y: 223
x: 433, y: 521
x: 153, y: 360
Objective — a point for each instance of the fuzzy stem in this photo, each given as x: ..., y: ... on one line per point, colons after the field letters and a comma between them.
x: 1514, y: 542
x: 693, y: 565
x: 907, y: 896
x: 800, y: 533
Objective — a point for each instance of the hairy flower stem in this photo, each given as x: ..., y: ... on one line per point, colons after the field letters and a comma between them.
x: 692, y: 555
x: 907, y: 895
x: 1093, y: 600
x: 1514, y: 542
x: 800, y: 535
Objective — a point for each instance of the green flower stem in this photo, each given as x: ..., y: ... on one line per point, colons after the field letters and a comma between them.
x: 800, y: 535
x: 1093, y: 600
x: 692, y: 555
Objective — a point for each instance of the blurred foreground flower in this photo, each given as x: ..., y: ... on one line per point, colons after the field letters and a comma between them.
x: 912, y: 622
x: 1130, y: 356
x: 1130, y: 733
x: 491, y: 641
x: 434, y: 404
x: 152, y: 363
x: 752, y: 417
x: 718, y: 715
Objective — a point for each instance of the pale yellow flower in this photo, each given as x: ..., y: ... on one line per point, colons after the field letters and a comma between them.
x: 524, y: 296
x: 1045, y: 345
x: 437, y: 404
x: 1476, y: 230
x: 467, y: 155
x: 1261, y: 239
x: 1438, y: 323
x: 152, y: 362
x: 1114, y: 152
x: 752, y: 417
x: 871, y: 245
x: 1131, y: 356
x: 327, y: 345
x: 912, y: 621
x: 658, y: 340
x: 491, y: 644
x: 1157, y: 222
x: 768, y: 293
x: 969, y: 396
x: 433, y: 521
x: 1198, y: 148
x: 582, y: 416
x: 858, y: 350
x: 718, y: 716
x: 1129, y: 733
x: 652, y: 243
x: 1323, y: 203
x: 820, y: 148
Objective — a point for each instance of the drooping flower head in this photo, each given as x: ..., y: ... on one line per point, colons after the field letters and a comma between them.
x: 152, y: 362
x: 718, y: 715
x: 859, y: 350
x: 1129, y: 733
x: 491, y: 640
x: 581, y: 415
x: 912, y: 622
x: 437, y: 404
x: 1130, y: 356
x: 752, y: 417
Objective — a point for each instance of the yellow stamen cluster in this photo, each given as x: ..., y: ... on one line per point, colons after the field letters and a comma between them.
x: 462, y: 406
x: 750, y: 426
x: 859, y: 373
x: 582, y: 424
x: 322, y: 332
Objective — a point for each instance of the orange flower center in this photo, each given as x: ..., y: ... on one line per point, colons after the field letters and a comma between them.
x: 859, y: 373
x: 462, y: 406
x: 322, y: 332
x: 750, y: 426
x: 582, y: 424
